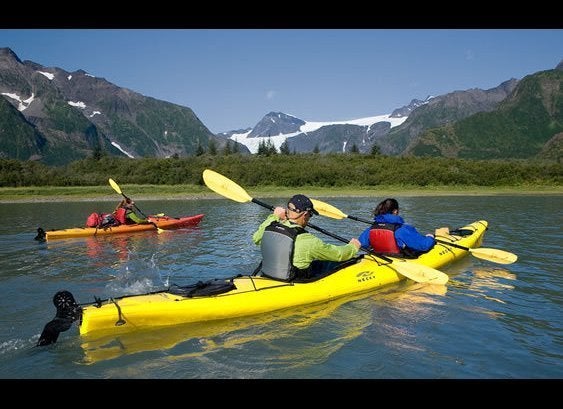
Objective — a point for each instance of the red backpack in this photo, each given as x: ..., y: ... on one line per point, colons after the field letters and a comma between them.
x: 102, y: 220
x: 94, y: 220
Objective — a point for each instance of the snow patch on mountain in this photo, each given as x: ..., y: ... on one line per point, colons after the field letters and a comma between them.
x: 122, y: 150
x: 22, y: 104
x: 47, y: 74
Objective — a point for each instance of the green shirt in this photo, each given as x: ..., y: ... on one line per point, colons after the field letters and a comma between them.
x: 308, y: 247
x: 130, y: 214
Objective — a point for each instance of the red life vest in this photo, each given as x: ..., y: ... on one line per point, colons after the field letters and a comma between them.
x: 121, y: 215
x: 382, y: 238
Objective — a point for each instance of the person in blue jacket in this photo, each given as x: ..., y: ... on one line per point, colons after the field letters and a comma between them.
x: 390, y: 235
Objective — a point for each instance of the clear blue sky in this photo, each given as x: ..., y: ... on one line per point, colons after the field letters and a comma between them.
x: 231, y: 78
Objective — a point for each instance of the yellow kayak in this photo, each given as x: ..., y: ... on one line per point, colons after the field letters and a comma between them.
x: 235, y: 332
x: 248, y: 295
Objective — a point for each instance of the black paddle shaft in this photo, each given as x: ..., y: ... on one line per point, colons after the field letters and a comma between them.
x: 266, y: 205
x: 447, y: 243
x: 136, y: 207
x: 358, y: 219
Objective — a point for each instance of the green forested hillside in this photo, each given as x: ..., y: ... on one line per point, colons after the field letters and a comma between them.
x: 24, y: 140
x: 520, y: 128
x: 47, y: 117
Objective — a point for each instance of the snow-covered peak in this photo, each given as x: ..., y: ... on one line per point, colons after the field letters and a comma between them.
x: 253, y: 142
x: 368, y: 121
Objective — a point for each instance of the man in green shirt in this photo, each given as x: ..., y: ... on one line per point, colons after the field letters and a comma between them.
x: 289, y: 251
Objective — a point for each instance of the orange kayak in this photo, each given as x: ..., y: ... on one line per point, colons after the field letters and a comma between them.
x: 162, y: 222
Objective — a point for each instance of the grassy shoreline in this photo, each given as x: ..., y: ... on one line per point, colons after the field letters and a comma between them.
x: 195, y: 192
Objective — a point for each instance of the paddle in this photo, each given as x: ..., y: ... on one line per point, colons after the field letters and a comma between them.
x: 494, y: 255
x: 229, y: 189
x: 116, y: 187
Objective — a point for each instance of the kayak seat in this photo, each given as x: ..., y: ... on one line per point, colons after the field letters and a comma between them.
x: 202, y: 289
x: 461, y: 232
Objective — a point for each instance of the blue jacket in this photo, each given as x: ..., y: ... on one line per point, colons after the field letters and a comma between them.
x: 405, y: 236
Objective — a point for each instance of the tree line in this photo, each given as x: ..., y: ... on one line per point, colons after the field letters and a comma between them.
x: 286, y: 170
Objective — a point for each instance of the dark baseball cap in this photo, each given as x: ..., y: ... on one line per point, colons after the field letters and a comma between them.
x: 302, y: 203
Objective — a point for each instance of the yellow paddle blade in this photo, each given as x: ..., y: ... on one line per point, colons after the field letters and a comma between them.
x: 115, y: 186
x: 419, y: 273
x: 494, y: 255
x: 225, y: 187
x: 327, y: 210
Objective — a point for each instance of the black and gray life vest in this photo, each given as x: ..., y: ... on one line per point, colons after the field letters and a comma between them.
x: 277, y: 245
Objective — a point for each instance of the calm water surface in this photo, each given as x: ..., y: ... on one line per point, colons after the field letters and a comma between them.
x: 490, y: 321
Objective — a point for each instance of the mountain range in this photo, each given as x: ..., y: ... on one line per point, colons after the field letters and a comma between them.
x: 54, y: 116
